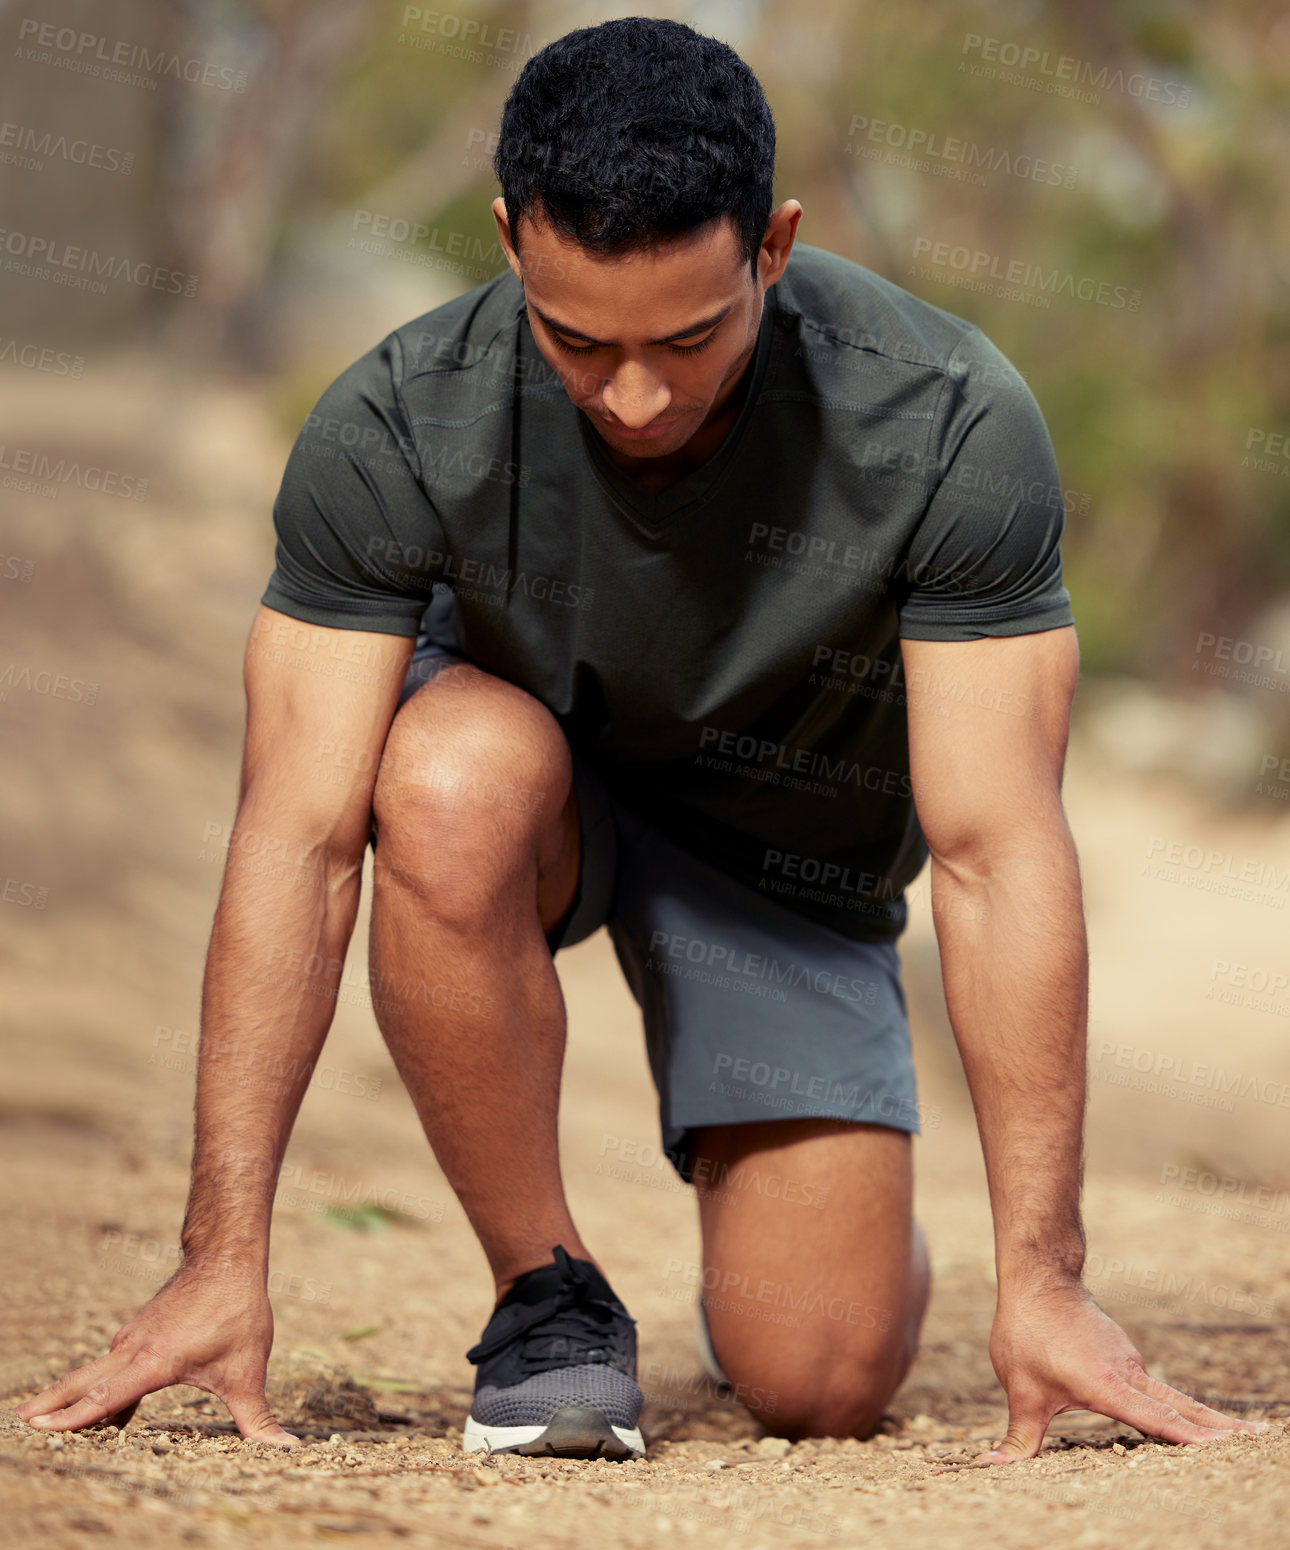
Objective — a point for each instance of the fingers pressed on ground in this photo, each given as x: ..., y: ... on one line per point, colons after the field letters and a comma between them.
x: 69, y: 1388
x: 1200, y: 1414
x: 110, y: 1396
x: 1155, y: 1417
x: 85, y: 1412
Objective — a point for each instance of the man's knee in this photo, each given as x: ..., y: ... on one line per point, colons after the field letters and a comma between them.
x: 470, y: 772
x: 832, y: 1375
x: 844, y: 1395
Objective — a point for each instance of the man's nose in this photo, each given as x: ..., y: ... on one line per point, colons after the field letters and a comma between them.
x: 635, y: 396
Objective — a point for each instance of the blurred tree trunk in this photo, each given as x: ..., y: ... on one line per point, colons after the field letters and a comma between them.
x: 231, y: 179
x: 109, y: 213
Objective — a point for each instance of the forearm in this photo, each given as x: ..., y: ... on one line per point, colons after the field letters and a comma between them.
x: 262, y: 1029
x: 1015, y: 966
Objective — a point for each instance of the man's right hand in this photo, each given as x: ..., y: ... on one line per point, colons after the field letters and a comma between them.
x: 310, y: 718
x: 210, y: 1328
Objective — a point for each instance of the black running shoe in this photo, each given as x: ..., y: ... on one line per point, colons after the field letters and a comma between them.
x: 557, y: 1369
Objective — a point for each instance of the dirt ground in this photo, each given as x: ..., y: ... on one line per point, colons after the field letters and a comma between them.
x: 379, y: 1287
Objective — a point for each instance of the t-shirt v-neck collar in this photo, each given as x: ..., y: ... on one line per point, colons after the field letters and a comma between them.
x: 652, y: 509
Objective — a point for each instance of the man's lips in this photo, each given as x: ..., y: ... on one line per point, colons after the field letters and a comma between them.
x: 645, y: 433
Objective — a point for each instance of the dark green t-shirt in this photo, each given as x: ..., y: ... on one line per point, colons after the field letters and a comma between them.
x: 727, y: 650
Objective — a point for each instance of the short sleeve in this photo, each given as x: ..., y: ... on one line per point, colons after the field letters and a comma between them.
x: 351, y: 513
x: 986, y: 557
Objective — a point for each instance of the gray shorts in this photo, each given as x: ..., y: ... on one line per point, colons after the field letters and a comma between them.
x: 751, y: 1011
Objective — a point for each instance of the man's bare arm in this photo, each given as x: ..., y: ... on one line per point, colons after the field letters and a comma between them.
x: 988, y: 726
x: 1010, y: 922
x: 290, y: 892
x: 290, y: 895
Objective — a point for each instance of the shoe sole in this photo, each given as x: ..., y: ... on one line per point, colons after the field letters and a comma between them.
x: 573, y: 1432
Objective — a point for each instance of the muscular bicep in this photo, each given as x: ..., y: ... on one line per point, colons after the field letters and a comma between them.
x: 988, y: 724
x: 319, y: 706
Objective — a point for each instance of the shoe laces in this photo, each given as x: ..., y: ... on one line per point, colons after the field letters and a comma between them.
x: 574, y: 1323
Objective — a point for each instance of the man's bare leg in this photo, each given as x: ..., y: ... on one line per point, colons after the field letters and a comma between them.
x: 477, y: 857
x: 849, y: 1280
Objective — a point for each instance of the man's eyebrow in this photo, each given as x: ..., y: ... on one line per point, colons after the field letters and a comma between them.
x: 682, y: 333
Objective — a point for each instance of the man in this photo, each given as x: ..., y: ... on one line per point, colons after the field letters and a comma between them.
x: 719, y: 529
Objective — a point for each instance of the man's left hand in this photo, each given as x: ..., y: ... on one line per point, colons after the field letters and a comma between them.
x: 1056, y: 1350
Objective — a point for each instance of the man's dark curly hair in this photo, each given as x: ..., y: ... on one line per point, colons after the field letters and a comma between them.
x: 623, y: 135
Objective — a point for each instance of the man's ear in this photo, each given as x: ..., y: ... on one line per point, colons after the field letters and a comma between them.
x: 777, y: 244
x: 504, y: 235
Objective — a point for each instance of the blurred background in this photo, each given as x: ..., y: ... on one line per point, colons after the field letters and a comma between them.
x: 210, y: 207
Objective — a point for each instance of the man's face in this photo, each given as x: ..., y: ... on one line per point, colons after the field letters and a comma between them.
x: 647, y: 344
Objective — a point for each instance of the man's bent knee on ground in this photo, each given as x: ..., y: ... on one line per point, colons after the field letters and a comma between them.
x: 815, y: 1277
